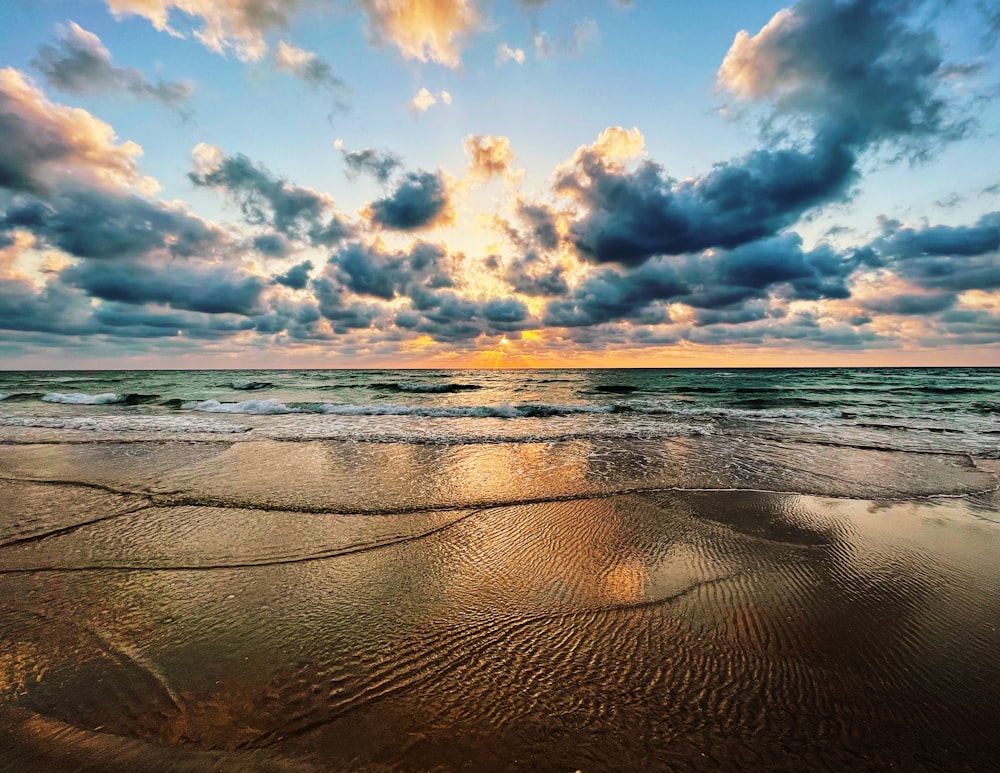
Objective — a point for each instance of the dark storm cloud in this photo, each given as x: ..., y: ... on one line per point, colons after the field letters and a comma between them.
x: 97, y: 223
x: 978, y: 239
x: 712, y: 281
x: 862, y: 70
x: 299, y: 213
x: 971, y: 322
x: 52, y: 309
x: 607, y: 296
x: 137, y: 321
x: 296, y: 319
x: 853, y: 77
x: 542, y: 223
x: 952, y: 274
x: 633, y: 216
x: 44, y: 144
x: 80, y: 64
x: 378, y: 164
x: 911, y: 304
x: 420, y: 200
x: 343, y: 315
x: 210, y: 289
x: 445, y: 316
x: 530, y: 277
x: 949, y: 258
x: 272, y: 245
x: 365, y: 270
x: 296, y: 277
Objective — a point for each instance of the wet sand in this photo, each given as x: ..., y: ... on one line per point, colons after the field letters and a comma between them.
x: 692, y: 604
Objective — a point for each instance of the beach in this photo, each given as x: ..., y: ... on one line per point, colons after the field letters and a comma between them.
x: 557, y: 589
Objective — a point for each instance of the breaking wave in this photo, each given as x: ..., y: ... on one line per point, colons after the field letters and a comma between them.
x: 106, y: 398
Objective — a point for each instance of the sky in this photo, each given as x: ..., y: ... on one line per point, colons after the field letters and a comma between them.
x: 518, y: 183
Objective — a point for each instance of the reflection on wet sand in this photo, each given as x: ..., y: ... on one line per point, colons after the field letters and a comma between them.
x: 650, y: 628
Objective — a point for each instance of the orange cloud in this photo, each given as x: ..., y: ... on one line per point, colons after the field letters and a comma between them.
x: 752, y: 68
x: 428, y: 30
x: 237, y: 25
x: 488, y: 156
x: 44, y: 143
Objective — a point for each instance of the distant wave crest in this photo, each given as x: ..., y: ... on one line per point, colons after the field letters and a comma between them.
x: 423, y: 387
x: 250, y: 385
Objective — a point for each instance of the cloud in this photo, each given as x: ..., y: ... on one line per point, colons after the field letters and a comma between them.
x: 45, y: 144
x: 531, y: 276
x: 857, y: 70
x: 507, y: 54
x: 379, y: 164
x: 367, y: 269
x: 212, y: 289
x: 299, y: 213
x: 421, y: 200
x: 427, y: 30
x: 978, y: 239
x: 584, y: 33
x: 911, y: 303
x: 425, y: 99
x: 306, y: 66
x: 80, y: 64
x: 712, y: 280
x: 447, y: 316
x: 272, y: 245
x: 108, y: 225
x: 632, y: 216
x: 854, y: 72
x: 296, y: 277
x: 488, y: 156
x: 542, y: 222
x: 226, y: 25
x: 53, y: 308
x: 343, y: 315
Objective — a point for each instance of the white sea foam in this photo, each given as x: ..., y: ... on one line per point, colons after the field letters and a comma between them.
x: 254, y: 407
x: 3, y: 396
x: 171, y: 424
x: 82, y: 398
x: 245, y: 384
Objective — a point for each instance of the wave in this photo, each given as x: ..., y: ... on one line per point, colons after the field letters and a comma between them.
x: 424, y: 388
x: 254, y: 407
x: 176, y: 425
x: 777, y: 402
x: 250, y: 385
x: 105, y: 398
x: 943, y: 390
x: 82, y: 398
x: 17, y: 397
x: 672, y: 409
x: 519, y: 411
x: 616, y: 389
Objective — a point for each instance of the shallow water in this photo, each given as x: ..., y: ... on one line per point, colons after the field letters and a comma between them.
x: 690, y: 603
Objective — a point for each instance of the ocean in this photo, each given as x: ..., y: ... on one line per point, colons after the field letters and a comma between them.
x: 950, y: 410
x: 557, y: 570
